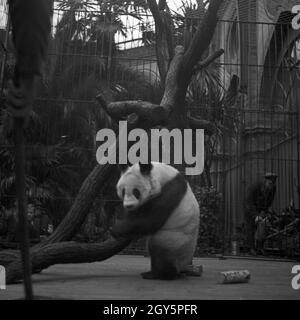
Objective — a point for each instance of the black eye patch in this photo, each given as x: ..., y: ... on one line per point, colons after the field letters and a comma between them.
x: 136, y: 193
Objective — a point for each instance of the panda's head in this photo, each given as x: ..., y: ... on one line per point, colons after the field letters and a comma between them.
x: 137, y: 185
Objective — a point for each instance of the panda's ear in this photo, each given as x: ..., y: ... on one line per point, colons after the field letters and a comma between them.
x: 145, y: 168
x: 123, y: 167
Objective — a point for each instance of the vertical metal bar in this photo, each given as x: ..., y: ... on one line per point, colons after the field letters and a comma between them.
x: 5, y: 53
x: 224, y: 176
x: 110, y: 50
x: 22, y: 205
x: 298, y: 157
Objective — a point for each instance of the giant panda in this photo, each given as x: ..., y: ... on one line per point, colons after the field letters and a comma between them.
x: 159, y: 203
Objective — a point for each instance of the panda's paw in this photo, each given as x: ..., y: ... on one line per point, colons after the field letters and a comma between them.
x: 193, y: 271
x: 148, y: 275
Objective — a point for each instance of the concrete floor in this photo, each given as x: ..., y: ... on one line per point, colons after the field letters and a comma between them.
x: 119, y: 278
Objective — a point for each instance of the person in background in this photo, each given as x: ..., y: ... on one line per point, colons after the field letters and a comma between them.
x: 262, y: 224
x: 258, y: 205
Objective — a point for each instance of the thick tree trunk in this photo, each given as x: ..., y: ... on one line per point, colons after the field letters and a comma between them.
x: 164, y: 37
x: 66, y: 252
x: 90, y: 188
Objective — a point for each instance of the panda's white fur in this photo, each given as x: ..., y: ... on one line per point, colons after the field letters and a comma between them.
x: 176, y: 241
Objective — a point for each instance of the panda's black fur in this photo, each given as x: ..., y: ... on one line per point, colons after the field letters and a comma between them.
x: 163, y: 208
x: 152, y: 215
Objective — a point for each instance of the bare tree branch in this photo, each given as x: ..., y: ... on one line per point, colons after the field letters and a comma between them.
x: 155, y: 13
x: 206, y: 62
x: 162, y: 4
x: 171, y: 88
x: 66, y: 252
x: 168, y: 33
x: 145, y: 110
x: 100, y: 99
x: 164, y: 36
x: 200, y: 41
x: 202, y: 124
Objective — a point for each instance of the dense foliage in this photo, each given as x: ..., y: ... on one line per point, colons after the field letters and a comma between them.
x: 210, y: 232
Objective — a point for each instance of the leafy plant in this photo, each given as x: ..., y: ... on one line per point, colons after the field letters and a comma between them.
x: 210, y: 232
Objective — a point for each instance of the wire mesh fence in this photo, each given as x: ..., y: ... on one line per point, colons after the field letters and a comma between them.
x: 249, y: 94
